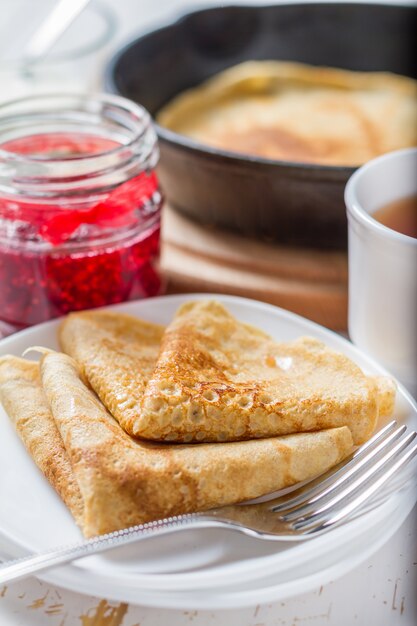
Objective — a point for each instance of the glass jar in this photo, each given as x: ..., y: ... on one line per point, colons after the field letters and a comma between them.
x: 79, y: 206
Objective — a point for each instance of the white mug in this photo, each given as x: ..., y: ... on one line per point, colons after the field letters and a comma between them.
x: 383, y: 266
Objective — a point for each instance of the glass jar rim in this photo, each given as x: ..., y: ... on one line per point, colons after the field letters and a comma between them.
x: 82, y: 117
x: 139, y: 113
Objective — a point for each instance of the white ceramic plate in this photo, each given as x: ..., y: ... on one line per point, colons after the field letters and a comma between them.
x: 197, y: 569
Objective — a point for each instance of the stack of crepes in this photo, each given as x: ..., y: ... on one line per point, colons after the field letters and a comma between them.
x: 134, y: 422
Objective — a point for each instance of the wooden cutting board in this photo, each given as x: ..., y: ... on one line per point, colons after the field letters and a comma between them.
x: 197, y: 258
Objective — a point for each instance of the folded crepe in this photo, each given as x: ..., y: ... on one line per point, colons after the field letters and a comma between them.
x: 23, y: 399
x: 298, y: 112
x: 217, y: 379
x: 117, y: 354
x: 123, y: 481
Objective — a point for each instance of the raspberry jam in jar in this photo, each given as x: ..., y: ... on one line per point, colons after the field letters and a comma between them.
x: 79, y: 206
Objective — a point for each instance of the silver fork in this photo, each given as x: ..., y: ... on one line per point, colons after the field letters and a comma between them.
x: 310, y: 510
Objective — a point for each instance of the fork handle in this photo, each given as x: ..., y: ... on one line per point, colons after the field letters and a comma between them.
x: 16, y: 569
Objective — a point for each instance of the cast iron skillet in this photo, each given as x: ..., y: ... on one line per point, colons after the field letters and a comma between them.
x: 289, y: 202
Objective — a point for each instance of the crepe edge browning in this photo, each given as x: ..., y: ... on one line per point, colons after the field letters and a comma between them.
x: 125, y: 482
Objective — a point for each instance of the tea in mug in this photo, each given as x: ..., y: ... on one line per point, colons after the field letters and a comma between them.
x: 400, y: 215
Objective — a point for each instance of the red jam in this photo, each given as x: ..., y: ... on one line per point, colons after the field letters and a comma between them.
x: 59, y: 255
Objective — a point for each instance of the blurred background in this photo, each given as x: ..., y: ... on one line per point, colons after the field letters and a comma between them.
x: 74, y: 62
x: 271, y: 230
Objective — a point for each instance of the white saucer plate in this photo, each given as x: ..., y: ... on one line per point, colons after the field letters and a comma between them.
x: 196, y: 569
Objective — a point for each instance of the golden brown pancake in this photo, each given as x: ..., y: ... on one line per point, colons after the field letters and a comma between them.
x: 217, y: 379
x: 125, y: 482
x: 117, y: 354
x: 296, y: 112
x: 23, y: 399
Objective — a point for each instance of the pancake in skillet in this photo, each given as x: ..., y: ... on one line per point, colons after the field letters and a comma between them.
x: 295, y: 112
x: 123, y: 481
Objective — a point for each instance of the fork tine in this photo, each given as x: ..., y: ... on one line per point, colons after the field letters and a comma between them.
x: 333, y: 488
x: 364, y: 495
x: 399, y: 482
x: 300, y: 495
x: 361, y: 485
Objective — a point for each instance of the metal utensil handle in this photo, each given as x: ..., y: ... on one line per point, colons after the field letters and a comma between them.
x: 19, y: 568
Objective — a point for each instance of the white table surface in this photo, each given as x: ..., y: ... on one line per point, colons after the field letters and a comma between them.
x: 381, y: 592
